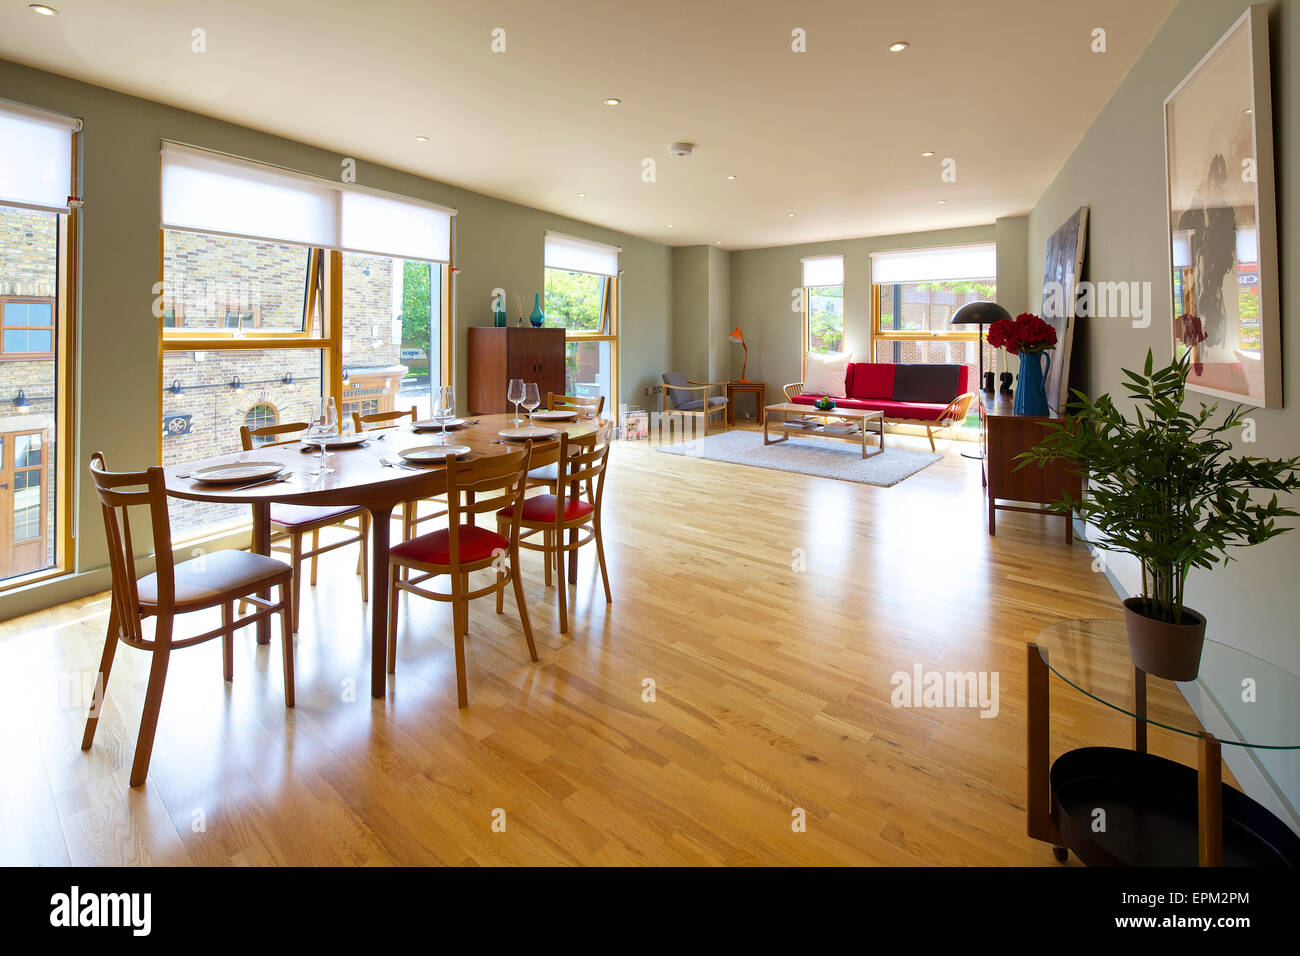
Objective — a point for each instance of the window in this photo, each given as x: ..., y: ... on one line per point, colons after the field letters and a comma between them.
x: 914, y: 296
x: 823, y: 304
x: 260, y: 416
x: 278, y: 288
x: 581, y: 297
x: 37, y: 230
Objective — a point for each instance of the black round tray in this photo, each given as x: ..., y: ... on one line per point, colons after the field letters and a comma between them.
x: 1150, y: 805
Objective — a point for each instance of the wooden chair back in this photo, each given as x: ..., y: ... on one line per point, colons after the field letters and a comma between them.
x: 576, y: 403
x: 247, y: 435
x: 119, y: 492
x: 582, y: 462
x: 359, y: 421
x: 485, y: 485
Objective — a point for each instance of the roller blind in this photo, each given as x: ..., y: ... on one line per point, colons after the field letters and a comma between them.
x: 212, y: 193
x: 823, y: 270
x: 932, y: 265
x: 580, y: 255
x: 36, y: 158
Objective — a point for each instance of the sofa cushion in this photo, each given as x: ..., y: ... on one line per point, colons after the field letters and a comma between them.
x: 826, y: 373
x: 926, y: 383
x: 871, y: 380
x: 715, y: 401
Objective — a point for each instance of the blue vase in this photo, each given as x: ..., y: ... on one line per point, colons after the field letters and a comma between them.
x: 1031, y: 388
x: 537, y: 317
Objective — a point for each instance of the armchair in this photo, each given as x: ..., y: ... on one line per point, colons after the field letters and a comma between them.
x: 691, y: 398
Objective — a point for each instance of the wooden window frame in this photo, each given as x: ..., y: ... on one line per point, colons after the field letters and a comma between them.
x: 611, y: 307
x: 52, y: 328
x: 889, y: 335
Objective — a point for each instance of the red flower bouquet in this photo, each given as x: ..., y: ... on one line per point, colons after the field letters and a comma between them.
x: 1027, y: 334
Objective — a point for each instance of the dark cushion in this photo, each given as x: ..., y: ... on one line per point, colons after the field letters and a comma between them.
x: 872, y: 380
x: 694, y: 405
x: 926, y: 383
x: 677, y: 395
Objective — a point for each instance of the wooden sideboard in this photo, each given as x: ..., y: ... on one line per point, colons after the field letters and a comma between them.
x: 496, y: 356
x: 1003, y: 436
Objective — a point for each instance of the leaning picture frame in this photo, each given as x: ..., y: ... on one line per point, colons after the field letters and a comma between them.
x: 1222, y: 219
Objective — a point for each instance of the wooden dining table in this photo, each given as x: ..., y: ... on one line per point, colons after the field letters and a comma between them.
x: 361, y: 479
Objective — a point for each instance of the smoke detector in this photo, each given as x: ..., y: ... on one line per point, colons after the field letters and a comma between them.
x: 681, y: 149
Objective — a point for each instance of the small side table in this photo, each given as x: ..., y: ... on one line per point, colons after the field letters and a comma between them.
x: 757, y: 389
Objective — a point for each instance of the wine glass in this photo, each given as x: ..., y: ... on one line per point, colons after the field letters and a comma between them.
x: 443, y: 408
x: 532, y: 398
x: 323, y: 426
x: 515, y: 394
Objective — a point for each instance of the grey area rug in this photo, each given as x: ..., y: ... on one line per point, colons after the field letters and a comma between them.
x: 823, y: 457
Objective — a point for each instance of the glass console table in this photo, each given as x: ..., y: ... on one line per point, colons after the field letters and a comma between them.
x: 1127, y: 807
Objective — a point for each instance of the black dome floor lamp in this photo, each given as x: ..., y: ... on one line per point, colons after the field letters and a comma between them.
x: 980, y: 314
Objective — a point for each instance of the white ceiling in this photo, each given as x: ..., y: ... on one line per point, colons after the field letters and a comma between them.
x: 1005, y: 87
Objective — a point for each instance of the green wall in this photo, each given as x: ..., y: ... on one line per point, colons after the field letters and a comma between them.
x: 498, y: 244
x: 1118, y: 172
x: 763, y: 283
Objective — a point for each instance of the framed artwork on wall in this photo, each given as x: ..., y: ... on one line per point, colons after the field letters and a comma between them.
x: 1062, y: 272
x: 1222, y: 223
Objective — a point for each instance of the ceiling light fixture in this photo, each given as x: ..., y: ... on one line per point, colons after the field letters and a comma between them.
x: 421, y: 139
x: 928, y: 153
x: 940, y: 202
x: 731, y: 178
x: 790, y: 216
x: 670, y: 225
x: 42, y: 9
x: 612, y: 101
x: 898, y: 46
x: 582, y: 195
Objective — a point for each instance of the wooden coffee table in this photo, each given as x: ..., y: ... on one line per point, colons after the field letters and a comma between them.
x: 858, y: 416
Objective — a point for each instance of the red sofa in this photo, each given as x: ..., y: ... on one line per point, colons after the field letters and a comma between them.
x: 934, y: 396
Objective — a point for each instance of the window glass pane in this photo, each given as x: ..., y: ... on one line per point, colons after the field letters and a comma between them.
x: 826, y: 318
x: 28, y: 271
x: 930, y: 306
x: 204, y: 419
x: 392, y: 334
x: 573, y: 301
x: 588, y: 370
x: 232, y: 284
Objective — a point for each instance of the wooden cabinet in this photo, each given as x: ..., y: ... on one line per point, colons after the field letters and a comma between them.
x: 1004, y: 435
x: 497, y: 355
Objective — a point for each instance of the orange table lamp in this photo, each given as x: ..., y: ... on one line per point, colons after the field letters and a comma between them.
x: 737, y: 337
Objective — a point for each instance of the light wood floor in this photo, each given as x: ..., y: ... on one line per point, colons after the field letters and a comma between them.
x: 772, y: 693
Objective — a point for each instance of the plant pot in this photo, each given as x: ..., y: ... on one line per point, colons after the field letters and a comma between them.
x: 1162, y: 649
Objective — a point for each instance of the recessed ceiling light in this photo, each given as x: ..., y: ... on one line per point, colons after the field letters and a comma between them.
x: 791, y: 215
x: 612, y: 101
x: 670, y: 225
x: 1249, y: 110
x: 898, y: 46
x: 582, y: 195
x: 928, y: 153
x: 718, y: 242
x: 940, y: 202
x: 731, y: 178
x: 42, y: 9
x: 421, y: 139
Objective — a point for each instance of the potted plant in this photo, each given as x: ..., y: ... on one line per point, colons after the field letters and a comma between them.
x: 1164, y: 486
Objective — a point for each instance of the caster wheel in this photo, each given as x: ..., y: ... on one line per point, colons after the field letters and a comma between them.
x: 1061, y: 854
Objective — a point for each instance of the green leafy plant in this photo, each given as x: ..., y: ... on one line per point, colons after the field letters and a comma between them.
x: 1163, y: 484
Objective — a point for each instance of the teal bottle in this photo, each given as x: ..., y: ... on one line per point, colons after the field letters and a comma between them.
x: 537, y: 317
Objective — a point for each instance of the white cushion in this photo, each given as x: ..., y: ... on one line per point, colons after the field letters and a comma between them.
x: 826, y: 371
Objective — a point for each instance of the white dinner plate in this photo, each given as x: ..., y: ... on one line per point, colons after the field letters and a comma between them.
x: 350, y: 440
x: 525, y: 432
x: 559, y: 415
x: 237, y: 472
x: 429, y: 425
x: 433, y: 454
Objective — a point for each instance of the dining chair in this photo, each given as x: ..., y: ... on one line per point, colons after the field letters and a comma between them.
x: 582, y: 463
x: 487, y: 484
x: 211, y: 580
x: 543, y: 476
x: 295, y: 522
x: 410, y: 517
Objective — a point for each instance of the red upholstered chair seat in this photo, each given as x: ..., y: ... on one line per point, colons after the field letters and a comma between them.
x: 541, y: 508
x: 921, y: 411
x: 435, y: 547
